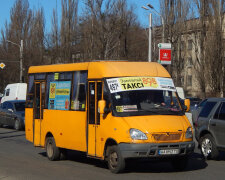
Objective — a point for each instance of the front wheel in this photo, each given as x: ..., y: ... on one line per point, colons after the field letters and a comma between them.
x: 116, y: 162
x: 208, y: 147
x: 17, y: 125
x: 53, y: 152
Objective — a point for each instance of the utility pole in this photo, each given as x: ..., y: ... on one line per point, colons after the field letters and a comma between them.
x: 149, y: 36
x: 163, y: 22
x: 21, y: 57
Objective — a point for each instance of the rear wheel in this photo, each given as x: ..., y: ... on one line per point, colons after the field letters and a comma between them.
x: 116, y: 162
x: 208, y: 147
x: 17, y: 125
x: 53, y: 152
x: 180, y: 163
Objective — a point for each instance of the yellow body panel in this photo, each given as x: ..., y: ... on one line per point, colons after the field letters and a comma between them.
x: 67, y: 127
x: 29, y: 124
x: 117, y: 128
x: 37, y: 132
x: 98, y: 70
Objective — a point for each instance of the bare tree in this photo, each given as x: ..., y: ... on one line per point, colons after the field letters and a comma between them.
x: 68, y: 32
x: 108, y: 29
x: 175, y: 14
x: 26, y: 25
x: 210, y: 62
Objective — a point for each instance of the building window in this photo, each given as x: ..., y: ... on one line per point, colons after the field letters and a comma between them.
x: 182, y: 45
x: 189, y: 61
x: 189, y: 44
x: 189, y: 80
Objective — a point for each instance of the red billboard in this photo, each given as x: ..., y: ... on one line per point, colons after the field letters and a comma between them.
x: 165, y: 56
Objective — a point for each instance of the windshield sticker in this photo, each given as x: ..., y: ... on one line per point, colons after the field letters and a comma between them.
x: 117, y: 97
x: 127, y: 108
x: 140, y: 83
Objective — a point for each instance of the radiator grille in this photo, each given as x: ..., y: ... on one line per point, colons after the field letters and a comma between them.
x: 167, y: 136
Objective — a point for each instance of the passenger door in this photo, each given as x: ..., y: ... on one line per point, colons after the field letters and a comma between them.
x: 217, y: 124
x: 205, y: 115
x: 93, y: 134
x: 10, y: 117
x: 3, y: 113
x: 39, y: 99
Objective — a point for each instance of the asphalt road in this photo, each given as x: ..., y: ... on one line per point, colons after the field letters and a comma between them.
x: 19, y: 159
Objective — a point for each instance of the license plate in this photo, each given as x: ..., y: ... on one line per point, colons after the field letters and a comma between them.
x: 168, y: 151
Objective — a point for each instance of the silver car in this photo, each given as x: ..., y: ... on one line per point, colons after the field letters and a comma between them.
x: 210, y: 127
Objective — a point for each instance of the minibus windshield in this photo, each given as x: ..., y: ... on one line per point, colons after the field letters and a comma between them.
x: 146, y: 102
x: 134, y: 97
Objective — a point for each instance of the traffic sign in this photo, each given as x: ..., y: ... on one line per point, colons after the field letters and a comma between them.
x: 2, y: 65
x: 164, y: 45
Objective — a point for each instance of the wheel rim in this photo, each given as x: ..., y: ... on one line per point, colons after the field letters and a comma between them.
x: 49, y: 149
x: 16, y: 125
x: 206, y: 147
x: 113, y: 160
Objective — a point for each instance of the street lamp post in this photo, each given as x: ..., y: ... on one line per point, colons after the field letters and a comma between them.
x: 21, y: 57
x: 150, y: 36
x: 163, y: 22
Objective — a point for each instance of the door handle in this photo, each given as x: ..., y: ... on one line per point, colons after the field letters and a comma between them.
x: 213, y: 124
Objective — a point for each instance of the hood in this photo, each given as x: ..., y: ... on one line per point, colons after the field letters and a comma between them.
x: 156, y: 124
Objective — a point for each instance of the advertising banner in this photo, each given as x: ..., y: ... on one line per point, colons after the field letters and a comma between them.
x: 59, y: 95
x: 140, y: 83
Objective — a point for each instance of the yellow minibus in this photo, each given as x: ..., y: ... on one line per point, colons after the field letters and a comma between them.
x: 113, y: 111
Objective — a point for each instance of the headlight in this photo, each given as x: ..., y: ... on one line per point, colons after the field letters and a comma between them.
x: 188, y: 133
x: 137, y: 134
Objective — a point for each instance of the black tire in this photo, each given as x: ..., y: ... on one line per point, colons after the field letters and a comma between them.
x: 52, y: 151
x: 208, y: 147
x: 17, y: 125
x: 116, y: 162
x: 180, y: 163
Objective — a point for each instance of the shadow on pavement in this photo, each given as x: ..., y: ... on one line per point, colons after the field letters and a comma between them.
x: 81, y: 157
x: 8, y: 132
x: 5, y: 137
x: 196, y: 162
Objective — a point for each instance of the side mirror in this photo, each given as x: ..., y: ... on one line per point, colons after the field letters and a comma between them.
x: 101, y: 106
x: 187, y: 104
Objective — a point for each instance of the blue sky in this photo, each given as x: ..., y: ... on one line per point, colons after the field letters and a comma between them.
x: 48, y: 5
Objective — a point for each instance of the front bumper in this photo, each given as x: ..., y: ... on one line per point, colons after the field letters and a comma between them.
x: 151, y: 150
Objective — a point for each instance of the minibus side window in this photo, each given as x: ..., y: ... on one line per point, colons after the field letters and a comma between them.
x: 59, y: 91
x: 78, y: 99
x: 30, y: 91
x: 99, y: 97
x: 50, y: 78
x: 91, y: 103
x: 65, y: 76
x: 40, y: 76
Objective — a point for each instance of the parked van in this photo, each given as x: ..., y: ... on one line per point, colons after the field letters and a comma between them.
x: 16, y: 91
x: 112, y: 111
